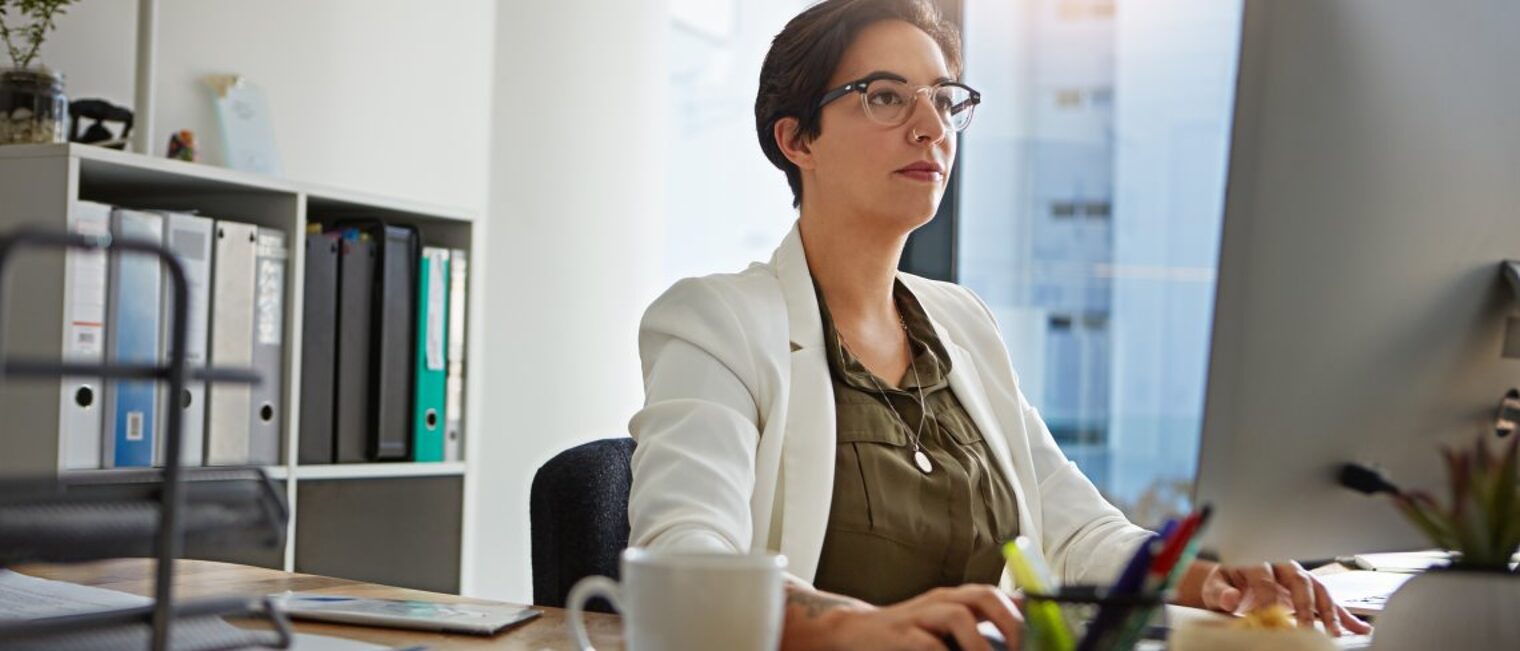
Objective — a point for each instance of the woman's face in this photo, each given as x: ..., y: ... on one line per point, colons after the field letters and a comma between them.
x: 861, y: 165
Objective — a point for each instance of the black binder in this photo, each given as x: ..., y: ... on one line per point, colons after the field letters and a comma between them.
x: 352, y: 415
x: 394, y: 344
x: 319, y: 355
x: 389, y: 339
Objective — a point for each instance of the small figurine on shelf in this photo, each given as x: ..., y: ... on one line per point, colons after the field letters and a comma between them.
x: 100, y: 115
x: 182, y: 146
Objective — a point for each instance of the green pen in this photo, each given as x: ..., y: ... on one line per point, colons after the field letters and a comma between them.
x: 1044, y: 616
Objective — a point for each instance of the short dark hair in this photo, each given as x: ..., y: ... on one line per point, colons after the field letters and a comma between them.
x: 803, y: 56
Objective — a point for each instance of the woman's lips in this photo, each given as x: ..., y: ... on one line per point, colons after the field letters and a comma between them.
x: 921, y: 175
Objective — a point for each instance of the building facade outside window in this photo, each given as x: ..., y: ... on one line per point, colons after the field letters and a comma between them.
x: 1091, y: 201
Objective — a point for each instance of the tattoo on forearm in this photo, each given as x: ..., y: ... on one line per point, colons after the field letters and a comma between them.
x: 816, y: 603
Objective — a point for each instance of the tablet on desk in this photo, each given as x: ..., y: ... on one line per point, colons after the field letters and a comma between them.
x: 478, y: 619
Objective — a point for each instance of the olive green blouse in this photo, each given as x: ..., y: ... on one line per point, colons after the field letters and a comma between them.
x: 895, y: 531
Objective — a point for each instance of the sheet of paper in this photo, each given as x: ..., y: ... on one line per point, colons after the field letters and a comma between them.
x: 25, y: 597
x: 1402, y: 561
x: 1363, y: 592
x: 1410, y: 561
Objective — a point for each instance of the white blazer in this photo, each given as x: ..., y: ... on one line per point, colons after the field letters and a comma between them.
x: 736, y: 439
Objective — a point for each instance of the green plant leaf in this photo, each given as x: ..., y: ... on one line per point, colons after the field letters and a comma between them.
x: 1504, y: 489
x: 1421, y: 510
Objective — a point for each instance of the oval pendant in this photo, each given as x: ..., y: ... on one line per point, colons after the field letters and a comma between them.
x: 923, y: 461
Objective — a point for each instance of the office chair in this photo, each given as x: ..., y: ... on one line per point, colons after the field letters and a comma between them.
x: 578, y: 510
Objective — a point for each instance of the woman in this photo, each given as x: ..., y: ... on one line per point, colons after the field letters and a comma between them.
x: 864, y: 422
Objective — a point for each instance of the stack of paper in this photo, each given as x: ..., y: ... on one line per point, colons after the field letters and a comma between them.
x: 25, y: 598
x: 1363, y: 592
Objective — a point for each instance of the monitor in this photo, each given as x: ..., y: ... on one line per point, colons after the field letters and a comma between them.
x: 1363, y: 312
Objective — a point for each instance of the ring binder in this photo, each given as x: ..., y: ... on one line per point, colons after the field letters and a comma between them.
x: 169, y: 491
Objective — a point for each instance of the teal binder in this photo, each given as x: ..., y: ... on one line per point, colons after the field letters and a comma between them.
x: 432, y: 354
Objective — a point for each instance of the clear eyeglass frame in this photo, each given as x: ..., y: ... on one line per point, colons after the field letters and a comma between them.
x: 889, y: 100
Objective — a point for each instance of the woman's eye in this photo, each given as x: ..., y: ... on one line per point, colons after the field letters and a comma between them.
x: 885, y: 98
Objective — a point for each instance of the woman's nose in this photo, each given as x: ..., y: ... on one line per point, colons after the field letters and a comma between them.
x: 926, y: 125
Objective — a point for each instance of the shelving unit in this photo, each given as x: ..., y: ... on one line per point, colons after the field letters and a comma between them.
x: 400, y: 523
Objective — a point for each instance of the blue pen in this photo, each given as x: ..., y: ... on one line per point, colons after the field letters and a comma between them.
x: 1129, y: 583
x: 1134, y: 573
x: 1169, y: 528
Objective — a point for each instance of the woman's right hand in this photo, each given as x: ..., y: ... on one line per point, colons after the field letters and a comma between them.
x: 918, y: 624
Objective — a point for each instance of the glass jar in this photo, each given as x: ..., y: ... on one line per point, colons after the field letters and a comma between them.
x: 33, y: 107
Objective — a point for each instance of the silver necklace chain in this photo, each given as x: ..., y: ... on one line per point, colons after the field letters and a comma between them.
x: 920, y: 458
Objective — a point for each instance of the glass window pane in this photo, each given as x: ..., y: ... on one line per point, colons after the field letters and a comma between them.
x: 1092, y: 189
x: 727, y: 205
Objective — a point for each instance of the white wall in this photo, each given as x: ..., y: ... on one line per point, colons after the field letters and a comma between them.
x: 577, y: 198
x: 387, y: 96
x: 562, y: 147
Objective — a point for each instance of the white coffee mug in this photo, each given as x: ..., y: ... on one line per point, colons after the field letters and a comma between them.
x: 674, y: 601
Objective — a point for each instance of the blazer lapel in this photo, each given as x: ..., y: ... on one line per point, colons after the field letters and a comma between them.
x: 807, y: 476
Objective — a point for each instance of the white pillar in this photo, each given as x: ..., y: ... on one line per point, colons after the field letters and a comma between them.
x: 577, y: 186
x: 142, y: 101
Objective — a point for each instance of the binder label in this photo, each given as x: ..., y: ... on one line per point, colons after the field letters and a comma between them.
x: 89, y: 291
x: 134, y: 426
x: 86, y: 339
x: 435, y: 310
x: 271, y: 280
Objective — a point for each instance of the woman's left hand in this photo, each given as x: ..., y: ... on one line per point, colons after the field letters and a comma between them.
x: 1242, y: 588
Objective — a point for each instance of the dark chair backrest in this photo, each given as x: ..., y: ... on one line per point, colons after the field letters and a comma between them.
x: 578, y: 510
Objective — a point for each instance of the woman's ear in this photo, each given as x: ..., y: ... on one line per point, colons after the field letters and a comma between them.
x: 796, y: 148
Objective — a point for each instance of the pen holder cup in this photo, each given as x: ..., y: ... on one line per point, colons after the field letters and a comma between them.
x: 1063, y: 621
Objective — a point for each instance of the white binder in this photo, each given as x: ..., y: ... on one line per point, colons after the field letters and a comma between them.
x: 232, y: 286
x: 189, y: 237
x: 453, y: 430
x: 266, y: 403
x: 80, y: 399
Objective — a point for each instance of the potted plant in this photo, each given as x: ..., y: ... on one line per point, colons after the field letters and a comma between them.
x: 1472, y: 603
x: 33, y: 106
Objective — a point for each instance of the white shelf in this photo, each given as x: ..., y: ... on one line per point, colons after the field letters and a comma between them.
x: 380, y: 470
x: 112, y: 170
x: 40, y: 184
x: 113, y: 167
x: 328, y: 198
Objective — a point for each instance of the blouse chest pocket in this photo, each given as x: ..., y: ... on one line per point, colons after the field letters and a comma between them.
x: 872, y: 450
x: 868, y: 422
x: 961, y: 428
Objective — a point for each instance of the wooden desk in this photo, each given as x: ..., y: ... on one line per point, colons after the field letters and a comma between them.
x: 208, y: 579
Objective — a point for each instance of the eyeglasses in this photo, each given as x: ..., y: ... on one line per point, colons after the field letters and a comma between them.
x: 889, y: 100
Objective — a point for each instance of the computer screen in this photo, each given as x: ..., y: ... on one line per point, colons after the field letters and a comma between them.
x: 1362, y: 310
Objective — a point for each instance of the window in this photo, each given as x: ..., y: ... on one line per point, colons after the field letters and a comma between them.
x: 1063, y: 209
x: 1097, y: 209
x: 1069, y: 99
x: 1086, y: 9
x: 1091, y: 197
x: 727, y: 205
